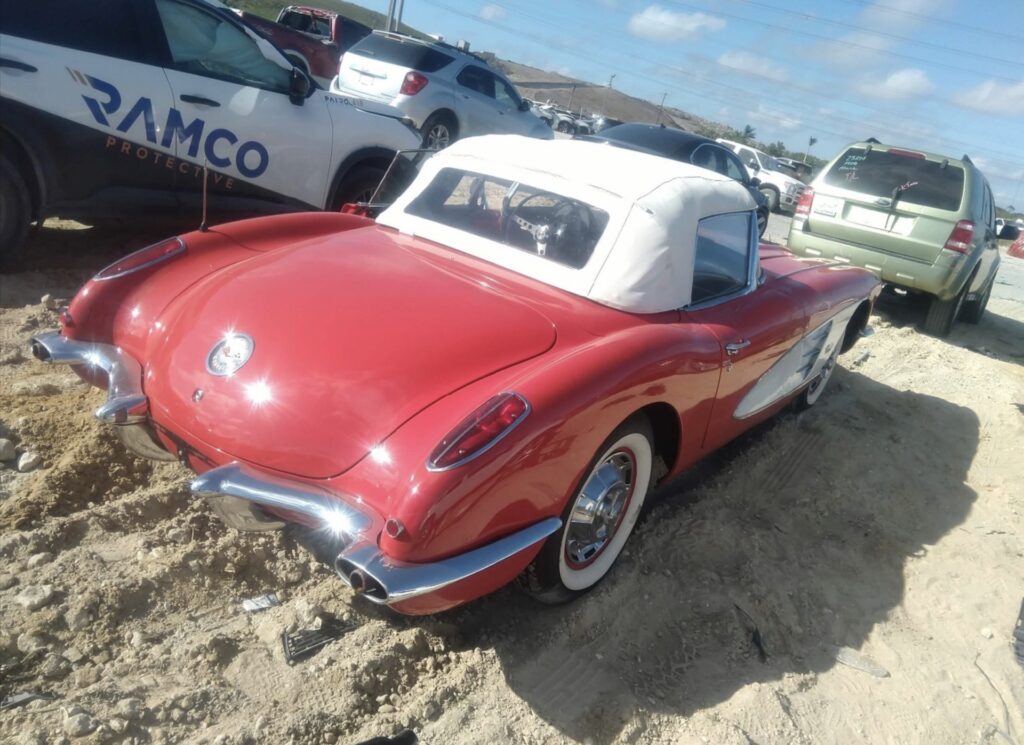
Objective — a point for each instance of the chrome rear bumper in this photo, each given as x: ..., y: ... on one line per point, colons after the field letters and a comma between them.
x: 125, y: 401
x: 360, y: 562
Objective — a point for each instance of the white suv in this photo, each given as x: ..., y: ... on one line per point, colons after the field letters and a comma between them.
x: 782, y: 191
x: 447, y: 92
x: 115, y: 107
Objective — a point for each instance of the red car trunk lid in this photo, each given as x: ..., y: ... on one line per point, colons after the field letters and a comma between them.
x: 352, y: 335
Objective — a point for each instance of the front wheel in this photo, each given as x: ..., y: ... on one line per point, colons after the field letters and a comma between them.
x: 15, y: 209
x: 598, y: 519
x: 772, y: 197
x: 762, y: 222
x: 358, y: 185
x: 566, y: 128
x: 812, y: 393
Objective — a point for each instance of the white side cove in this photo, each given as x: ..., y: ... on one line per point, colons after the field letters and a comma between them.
x: 798, y: 366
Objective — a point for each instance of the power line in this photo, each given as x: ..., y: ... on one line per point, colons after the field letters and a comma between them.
x: 885, y: 34
x: 932, y: 19
x: 842, y: 42
x: 745, y: 93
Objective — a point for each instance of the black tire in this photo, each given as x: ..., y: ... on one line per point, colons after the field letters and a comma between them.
x: 942, y: 313
x: 439, y: 131
x: 566, y: 128
x: 973, y: 310
x: 15, y: 209
x: 771, y: 195
x: 359, y: 185
x: 762, y: 221
x: 547, y: 576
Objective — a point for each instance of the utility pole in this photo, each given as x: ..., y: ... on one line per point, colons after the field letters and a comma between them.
x: 660, y: 107
x: 398, y: 15
x: 608, y: 89
x: 390, y: 14
x: 572, y: 92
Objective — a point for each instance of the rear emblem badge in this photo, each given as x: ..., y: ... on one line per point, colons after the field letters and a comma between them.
x: 197, y: 395
x: 229, y: 354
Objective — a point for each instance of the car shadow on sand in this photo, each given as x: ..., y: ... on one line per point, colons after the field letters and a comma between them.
x: 766, y: 559
x: 995, y: 336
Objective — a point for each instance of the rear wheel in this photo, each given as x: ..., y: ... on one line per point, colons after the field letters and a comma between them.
x: 771, y: 196
x: 358, y: 185
x: 942, y: 313
x: 566, y: 128
x: 762, y: 222
x: 15, y: 209
x: 598, y: 519
x: 973, y: 310
x: 439, y: 131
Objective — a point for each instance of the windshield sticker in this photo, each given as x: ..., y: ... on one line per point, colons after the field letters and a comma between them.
x: 251, y: 158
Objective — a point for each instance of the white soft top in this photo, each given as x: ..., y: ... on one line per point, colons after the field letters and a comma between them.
x: 644, y: 260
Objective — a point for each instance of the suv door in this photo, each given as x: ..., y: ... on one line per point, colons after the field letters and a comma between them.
x: 82, y: 80
x: 231, y: 89
x: 513, y: 119
x: 480, y: 110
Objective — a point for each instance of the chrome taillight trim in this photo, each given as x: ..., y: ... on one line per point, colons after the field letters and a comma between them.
x: 432, y: 459
x: 98, y: 277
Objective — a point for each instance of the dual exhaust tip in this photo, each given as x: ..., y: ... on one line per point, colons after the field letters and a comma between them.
x: 359, y: 580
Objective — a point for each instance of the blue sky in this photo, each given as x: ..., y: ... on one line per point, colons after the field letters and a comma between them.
x: 941, y: 75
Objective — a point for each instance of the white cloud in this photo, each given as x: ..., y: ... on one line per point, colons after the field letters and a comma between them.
x: 994, y: 98
x: 659, y: 24
x: 906, y: 83
x: 775, y: 117
x: 753, y: 64
x: 492, y: 12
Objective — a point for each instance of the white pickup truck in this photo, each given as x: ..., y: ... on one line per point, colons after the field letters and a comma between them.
x: 781, y: 191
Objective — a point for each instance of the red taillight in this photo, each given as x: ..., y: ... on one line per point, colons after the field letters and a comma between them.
x: 142, y: 258
x: 413, y: 83
x: 479, y: 431
x: 960, y: 239
x: 803, y: 207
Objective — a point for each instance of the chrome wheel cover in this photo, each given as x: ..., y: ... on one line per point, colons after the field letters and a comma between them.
x: 439, y: 137
x: 599, y: 508
x: 818, y: 384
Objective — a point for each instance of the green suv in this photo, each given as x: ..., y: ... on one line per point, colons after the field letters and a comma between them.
x: 922, y: 222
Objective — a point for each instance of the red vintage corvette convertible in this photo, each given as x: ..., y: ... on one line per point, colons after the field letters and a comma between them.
x: 482, y: 384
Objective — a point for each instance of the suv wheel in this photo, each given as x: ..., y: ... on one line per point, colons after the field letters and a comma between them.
x: 942, y: 313
x: 975, y: 309
x: 771, y: 196
x: 439, y: 131
x: 15, y: 209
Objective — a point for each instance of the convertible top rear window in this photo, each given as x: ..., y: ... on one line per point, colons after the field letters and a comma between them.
x: 522, y: 217
x: 915, y: 180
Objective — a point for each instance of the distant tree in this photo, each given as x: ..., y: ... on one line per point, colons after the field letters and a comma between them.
x: 748, y: 133
x: 776, y: 148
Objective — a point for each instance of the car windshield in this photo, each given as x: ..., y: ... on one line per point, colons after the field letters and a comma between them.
x: 404, y: 53
x: 768, y: 163
x: 522, y: 217
x: 910, y: 177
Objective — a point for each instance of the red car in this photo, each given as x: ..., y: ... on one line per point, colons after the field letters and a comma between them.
x: 482, y: 384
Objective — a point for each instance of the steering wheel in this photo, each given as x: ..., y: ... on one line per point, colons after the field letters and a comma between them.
x: 563, y: 231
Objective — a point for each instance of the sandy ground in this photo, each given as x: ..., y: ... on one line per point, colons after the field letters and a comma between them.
x: 850, y: 574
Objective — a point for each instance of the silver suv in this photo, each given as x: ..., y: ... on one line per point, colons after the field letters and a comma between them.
x: 446, y: 91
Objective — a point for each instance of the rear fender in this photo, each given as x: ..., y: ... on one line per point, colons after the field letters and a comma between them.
x: 577, y: 398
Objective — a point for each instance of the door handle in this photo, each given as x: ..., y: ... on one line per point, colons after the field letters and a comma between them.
x: 733, y: 348
x: 188, y: 98
x: 16, y: 65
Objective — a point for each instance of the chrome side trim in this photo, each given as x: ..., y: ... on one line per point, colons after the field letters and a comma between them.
x: 360, y: 562
x: 126, y: 403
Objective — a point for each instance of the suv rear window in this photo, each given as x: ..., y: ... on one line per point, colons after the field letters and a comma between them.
x: 885, y: 174
x: 403, y: 53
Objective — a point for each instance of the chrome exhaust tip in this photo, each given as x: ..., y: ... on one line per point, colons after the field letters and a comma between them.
x: 40, y: 352
x: 361, y: 582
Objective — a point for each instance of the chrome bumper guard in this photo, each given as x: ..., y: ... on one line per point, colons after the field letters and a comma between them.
x: 360, y: 562
x: 126, y: 403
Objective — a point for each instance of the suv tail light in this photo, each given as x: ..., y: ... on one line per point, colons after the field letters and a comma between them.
x: 479, y: 431
x: 803, y: 207
x: 960, y: 239
x: 414, y: 82
x: 144, y: 257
